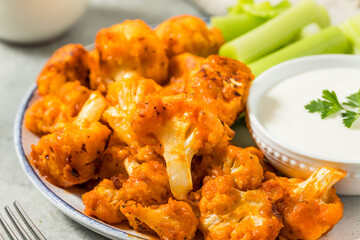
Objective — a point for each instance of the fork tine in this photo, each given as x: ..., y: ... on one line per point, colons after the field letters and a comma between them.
x: 1, y: 237
x: 31, y: 226
x: 16, y: 223
x: 7, y: 229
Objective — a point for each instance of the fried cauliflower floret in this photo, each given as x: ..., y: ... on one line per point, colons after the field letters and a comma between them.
x: 112, y: 161
x: 174, y: 220
x: 68, y: 63
x: 242, y: 165
x: 187, y: 33
x: 69, y: 155
x: 103, y: 202
x: 149, y: 153
x: 223, y: 84
x: 54, y: 110
x: 182, y: 127
x: 227, y: 213
x: 45, y: 115
x: 123, y: 96
x: 130, y: 48
x: 147, y: 184
x: 309, y: 208
x: 180, y: 67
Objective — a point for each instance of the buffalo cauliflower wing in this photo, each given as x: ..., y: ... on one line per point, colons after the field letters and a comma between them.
x: 54, y: 110
x: 103, y: 202
x: 69, y: 155
x: 68, y: 63
x: 182, y: 127
x: 147, y: 184
x: 112, y: 161
x: 223, y: 84
x: 227, y: 213
x: 309, y: 208
x: 172, y: 221
x: 180, y: 67
x: 190, y: 34
x: 243, y: 165
x: 123, y: 97
x: 127, y: 49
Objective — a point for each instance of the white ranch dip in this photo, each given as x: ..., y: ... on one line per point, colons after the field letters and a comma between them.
x: 282, y: 113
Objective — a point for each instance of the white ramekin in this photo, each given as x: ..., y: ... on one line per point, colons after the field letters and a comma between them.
x: 28, y: 22
x: 283, y: 157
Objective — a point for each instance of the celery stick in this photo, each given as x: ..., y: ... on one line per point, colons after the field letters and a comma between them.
x: 309, y: 30
x: 275, y: 33
x: 356, y: 51
x: 329, y: 40
x: 351, y: 29
x: 266, y: 9
x: 239, y: 7
x: 323, y: 19
x: 233, y: 26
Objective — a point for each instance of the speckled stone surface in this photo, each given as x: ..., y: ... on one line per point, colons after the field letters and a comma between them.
x: 19, y: 67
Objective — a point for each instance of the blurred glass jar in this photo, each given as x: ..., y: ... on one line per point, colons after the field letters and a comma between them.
x: 34, y: 21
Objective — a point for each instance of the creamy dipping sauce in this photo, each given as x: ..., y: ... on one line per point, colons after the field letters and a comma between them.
x: 282, y: 112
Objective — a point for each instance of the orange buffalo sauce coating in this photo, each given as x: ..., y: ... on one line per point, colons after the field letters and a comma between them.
x: 309, y: 208
x: 190, y: 34
x: 68, y: 63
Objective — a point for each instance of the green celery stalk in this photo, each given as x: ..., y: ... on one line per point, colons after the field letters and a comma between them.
x: 351, y: 29
x: 309, y: 30
x: 275, y: 33
x: 329, y: 40
x: 245, y: 16
x: 233, y: 26
x: 265, y: 9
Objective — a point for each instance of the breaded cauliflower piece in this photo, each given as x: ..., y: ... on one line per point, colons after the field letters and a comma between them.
x: 123, y: 97
x: 121, y: 159
x: 227, y: 213
x: 182, y: 127
x: 309, y: 208
x: 147, y: 184
x: 223, y: 84
x: 186, y: 33
x: 127, y: 49
x: 180, y: 67
x: 244, y: 166
x: 69, y: 155
x: 149, y: 153
x: 55, y: 110
x: 174, y: 220
x: 103, y: 202
x: 112, y: 161
x: 68, y: 63
x: 46, y: 115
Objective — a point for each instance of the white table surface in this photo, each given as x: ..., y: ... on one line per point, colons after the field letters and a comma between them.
x: 19, y: 67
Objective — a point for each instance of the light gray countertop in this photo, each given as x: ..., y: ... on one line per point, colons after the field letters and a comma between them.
x: 19, y: 67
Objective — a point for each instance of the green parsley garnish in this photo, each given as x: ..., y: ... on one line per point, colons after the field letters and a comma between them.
x: 329, y: 104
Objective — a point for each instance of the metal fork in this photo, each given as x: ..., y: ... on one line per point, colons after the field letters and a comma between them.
x: 21, y: 231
